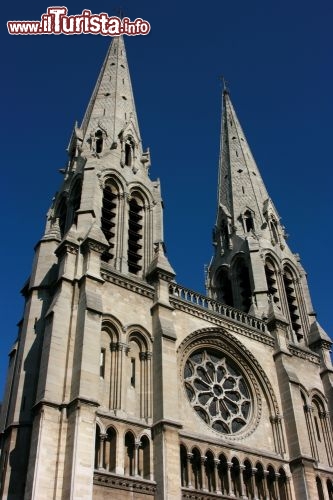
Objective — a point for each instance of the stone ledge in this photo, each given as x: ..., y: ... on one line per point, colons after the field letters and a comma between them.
x: 133, y: 484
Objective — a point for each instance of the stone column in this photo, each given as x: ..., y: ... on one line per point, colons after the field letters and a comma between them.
x: 241, y: 481
x: 230, y: 486
x: 203, y: 460
x: 216, y: 476
x: 189, y: 471
x: 137, y: 445
x: 143, y: 384
x: 101, y: 460
x: 149, y: 385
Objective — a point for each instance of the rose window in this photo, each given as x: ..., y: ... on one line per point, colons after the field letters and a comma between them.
x: 217, y: 391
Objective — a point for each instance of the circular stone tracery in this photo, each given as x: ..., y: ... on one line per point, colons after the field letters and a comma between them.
x: 217, y: 391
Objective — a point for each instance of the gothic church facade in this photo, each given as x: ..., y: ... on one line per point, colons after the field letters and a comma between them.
x: 124, y: 384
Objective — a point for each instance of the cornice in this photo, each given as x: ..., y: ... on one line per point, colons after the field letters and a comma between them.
x: 130, y: 284
x: 109, y: 480
x: 304, y: 354
x: 219, y: 320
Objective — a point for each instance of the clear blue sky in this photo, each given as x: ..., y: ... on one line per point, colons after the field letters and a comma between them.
x: 277, y: 58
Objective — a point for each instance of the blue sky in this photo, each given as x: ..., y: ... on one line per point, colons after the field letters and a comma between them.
x: 277, y: 58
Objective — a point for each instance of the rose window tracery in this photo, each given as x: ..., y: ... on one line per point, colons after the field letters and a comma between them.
x: 217, y: 391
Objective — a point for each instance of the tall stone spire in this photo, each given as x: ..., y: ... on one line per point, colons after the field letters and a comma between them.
x: 253, y: 269
x: 240, y: 187
x: 111, y: 107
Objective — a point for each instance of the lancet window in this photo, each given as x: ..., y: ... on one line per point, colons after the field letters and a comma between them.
x: 135, y: 234
x: 109, y: 217
x: 75, y: 202
x: 242, y: 285
x: 291, y: 286
x: 272, y: 281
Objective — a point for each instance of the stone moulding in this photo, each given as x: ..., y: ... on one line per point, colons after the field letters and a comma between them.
x: 300, y: 353
x: 217, y: 319
x: 136, y: 485
x: 204, y: 302
x: 128, y: 283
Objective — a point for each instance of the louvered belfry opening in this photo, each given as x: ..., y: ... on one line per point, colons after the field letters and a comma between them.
x: 135, y: 226
x: 244, y: 287
x: 289, y: 284
x: 108, y: 219
x: 272, y: 281
x: 224, y: 287
x: 76, y: 201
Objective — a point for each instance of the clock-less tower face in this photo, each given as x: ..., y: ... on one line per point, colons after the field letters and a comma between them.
x: 218, y: 391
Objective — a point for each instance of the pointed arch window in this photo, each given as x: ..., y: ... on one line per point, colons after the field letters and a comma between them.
x: 144, y: 458
x: 292, y: 301
x: 109, y: 217
x: 223, y: 287
x: 242, y: 285
x: 75, y: 201
x: 248, y: 221
x: 138, y: 376
x: 129, y: 152
x: 62, y: 216
x: 98, y: 141
x: 135, y: 234
x: 272, y: 281
x: 129, y: 454
x: 320, y: 489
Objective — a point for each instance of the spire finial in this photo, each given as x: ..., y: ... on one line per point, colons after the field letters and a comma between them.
x: 119, y: 12
x: 225, y: 84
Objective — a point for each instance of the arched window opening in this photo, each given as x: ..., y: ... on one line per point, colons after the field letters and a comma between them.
x: 243, y: 299
x: 274, y: 230
x: 144, y: 458
x: 135, y: 228
x: 290, y: 288
x: 210, y: 472
x: 223, y: 475
x: 330, y: 489
x: 248, y: 479
x: 129, y: 454
x: 99, y: 141
x: 138, y: 373
x: 282, y: 485
x: 108, y: 219
x: 129, y: 153
x: 62, y: 216
x: 248, y: 221
x: 224, y: 287
x: 271, y: 278
x: 183, y: 466
x: 76, y: 201
x: 271, y: 484
x: 260, y: 478
x: 323, y: 432
x: 196, y: 469
x: 320, y: 489
x: 236, y: 477
x: 110, y: 450
x: 224, y: 235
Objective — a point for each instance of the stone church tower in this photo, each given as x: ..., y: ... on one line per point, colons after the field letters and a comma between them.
x: 124, y: 384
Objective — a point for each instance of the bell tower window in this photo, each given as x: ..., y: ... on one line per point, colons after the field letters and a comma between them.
x: 290, y: 288
x: 248, y: 221
x: 271, y: 279
x: 62, y: 216
x: 129, y: 153
x: 243, y: 286
x: 99, y: 141
x: 109, y: 216
x: 135, y: 234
